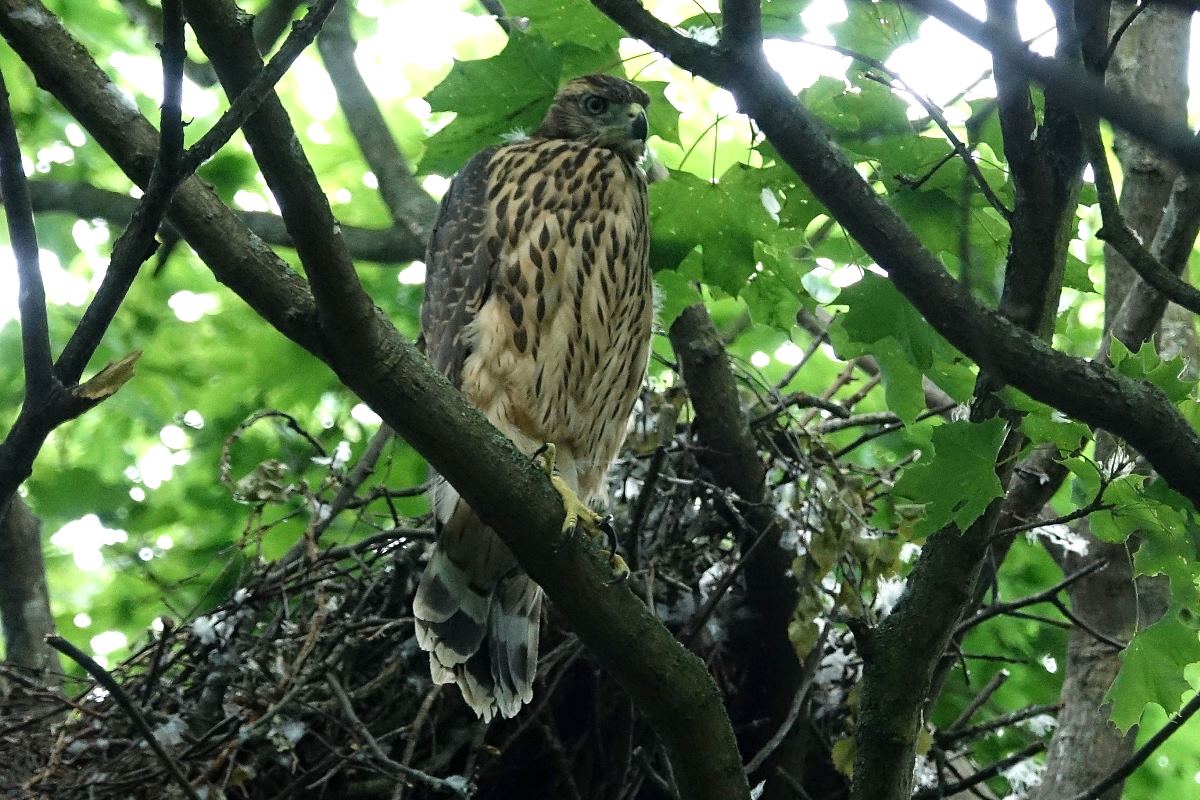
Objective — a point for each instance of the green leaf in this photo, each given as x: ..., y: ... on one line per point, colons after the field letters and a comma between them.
x: 877, y: 311
x: 572, y: 21
x: 1146, y: 365
x: 492, y: 96
x: 526, y: 70
x: 1152, y: 671
x: 876, y: 29
x: 662, y: 114
x: 1076, y: 275
x: 675, y: 293
x: 901, y: 381
x: 960, y: 480
x: 681, y: 212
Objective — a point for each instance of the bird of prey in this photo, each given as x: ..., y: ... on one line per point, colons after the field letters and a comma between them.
x: 538, y: 305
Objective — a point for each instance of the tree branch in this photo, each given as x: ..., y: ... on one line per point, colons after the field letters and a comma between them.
x: 1144, y: 752
x: 411, y: 207
x: 344, y: 309
x: 35, y: 329
x: 24, y: 597
x: 1029, y: 751
x: 101, y: 676
x: 1144, y: 305
x: 1123, y: 240
x: 1073, y: 86
x: 136, y: 242
x: 1087, y: 391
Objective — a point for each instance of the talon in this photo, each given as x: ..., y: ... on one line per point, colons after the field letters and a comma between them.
x: 620, y: 570
x: 578, y: 515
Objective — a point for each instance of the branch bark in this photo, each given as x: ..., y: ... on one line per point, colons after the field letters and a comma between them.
x: 24, y: 596
x: 729, y: 453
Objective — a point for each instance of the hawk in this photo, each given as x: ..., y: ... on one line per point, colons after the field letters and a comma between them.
x: 538, y: 305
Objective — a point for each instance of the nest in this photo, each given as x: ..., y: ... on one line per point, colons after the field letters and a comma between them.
x: 308, y: 682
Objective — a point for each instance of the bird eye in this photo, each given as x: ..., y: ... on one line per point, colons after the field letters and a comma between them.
x: 594, y: 104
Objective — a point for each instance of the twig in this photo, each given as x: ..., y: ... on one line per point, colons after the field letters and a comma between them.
x: 814, y: 345
x: 1073, y: 85
x: 414, y: 730
x: 982, y: 775
x: 935, y: 114
x: 362, y: 470
x: 1145, y: 751
x: 136, y: 242
x: 978, y: 700
x: 641, y: 506
x: 1044, y: 596
x: 810, y: 672
x: 1096, y: 505
x: 35, y: 328
x: 101, y: 675
x: 802, y: 400
x: 792, y: 783
x: 248, y: 100
x: 496, y: 9
x: 947, y: 738
x: 886, y: 429
x: 765, y: 535
x: 1102, y: 64
x: 1088, y: 629
x: 394, y: 766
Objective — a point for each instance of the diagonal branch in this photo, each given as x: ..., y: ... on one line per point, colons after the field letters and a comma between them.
x: 102, y: 677
x: 1144, y: 752
x: 1072, y: 85
x: 35, y: 329
x: 136, y: 242
x: 343, y: 306
x: 1144, y: 305
x: 1134, y: 410
x: 1117, y: 233
x: 410, y: 206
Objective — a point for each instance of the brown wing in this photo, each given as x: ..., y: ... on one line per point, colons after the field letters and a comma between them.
x: 458, y: 267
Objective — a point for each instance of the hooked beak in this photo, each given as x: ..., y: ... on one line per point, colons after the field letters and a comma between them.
x: 639, y: 128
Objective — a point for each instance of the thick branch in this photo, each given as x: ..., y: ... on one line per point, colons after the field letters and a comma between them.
x: 35, y: 329
x: 344, y: 308
x: 1136, y: 411
x: 729, y: 453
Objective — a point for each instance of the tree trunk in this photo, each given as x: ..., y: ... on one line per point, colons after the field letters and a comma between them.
x: 1151, y: 63
x: 24, y: 598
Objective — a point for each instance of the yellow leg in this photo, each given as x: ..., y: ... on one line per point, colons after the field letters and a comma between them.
x: 579, y: 516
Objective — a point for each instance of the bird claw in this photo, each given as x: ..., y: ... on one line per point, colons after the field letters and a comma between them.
x: 580, y: 516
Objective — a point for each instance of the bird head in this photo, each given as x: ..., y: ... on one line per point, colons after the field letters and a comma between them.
x: 602, y: 110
